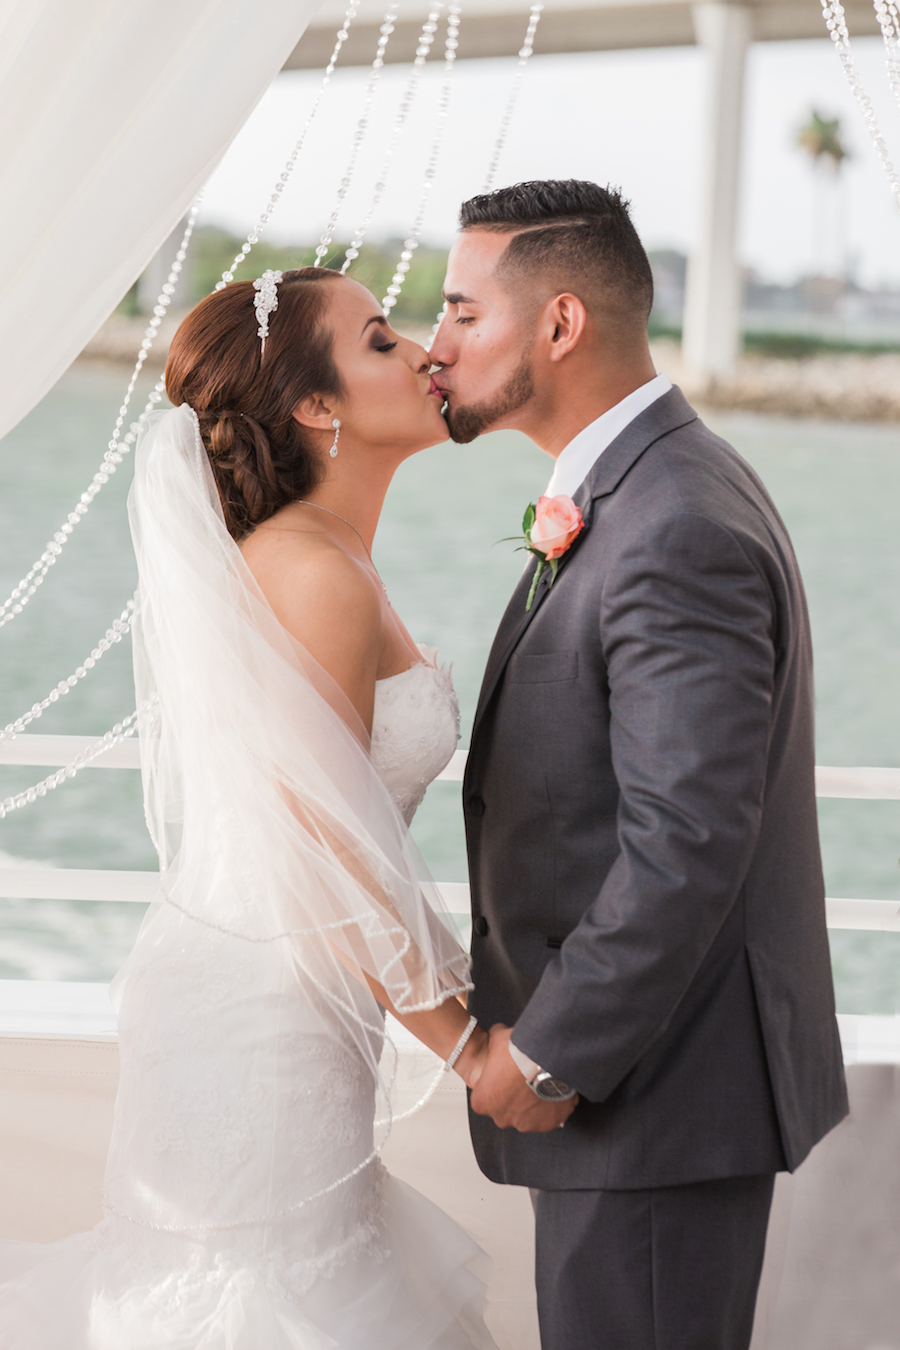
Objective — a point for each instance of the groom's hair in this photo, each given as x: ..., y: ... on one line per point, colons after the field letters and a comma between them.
x: 568, y: 235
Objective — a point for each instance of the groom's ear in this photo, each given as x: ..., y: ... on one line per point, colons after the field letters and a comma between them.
x: 564, y: 321
x: 314, y: 411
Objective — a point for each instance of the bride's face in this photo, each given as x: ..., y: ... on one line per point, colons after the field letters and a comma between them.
x: 390, y: 401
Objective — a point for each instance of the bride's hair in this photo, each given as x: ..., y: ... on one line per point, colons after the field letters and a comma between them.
x: 245, y: 402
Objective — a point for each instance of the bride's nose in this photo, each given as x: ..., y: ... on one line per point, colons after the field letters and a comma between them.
x: 420, y: 361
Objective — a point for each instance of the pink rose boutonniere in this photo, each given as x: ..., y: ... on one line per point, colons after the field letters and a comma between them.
x: 549, y: 530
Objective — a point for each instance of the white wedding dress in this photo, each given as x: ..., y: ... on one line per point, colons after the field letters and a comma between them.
x: 246, y: 1207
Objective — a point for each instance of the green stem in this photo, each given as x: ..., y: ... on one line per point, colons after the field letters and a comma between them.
x: 539, y: 572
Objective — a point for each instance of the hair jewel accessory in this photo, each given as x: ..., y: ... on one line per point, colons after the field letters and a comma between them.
x: 337, y: 434
x: 266, y: 301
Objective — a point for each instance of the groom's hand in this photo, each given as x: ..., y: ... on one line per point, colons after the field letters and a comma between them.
x: 502, y: 1093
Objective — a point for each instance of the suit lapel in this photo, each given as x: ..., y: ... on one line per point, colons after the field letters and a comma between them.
x: 515, y: 620
x: 665, y: 415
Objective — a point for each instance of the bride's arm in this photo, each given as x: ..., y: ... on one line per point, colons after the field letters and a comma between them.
x: 441, y: 1029
x: 333, y: 608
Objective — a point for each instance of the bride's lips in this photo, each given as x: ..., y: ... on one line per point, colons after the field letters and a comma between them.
x: 438, y: 393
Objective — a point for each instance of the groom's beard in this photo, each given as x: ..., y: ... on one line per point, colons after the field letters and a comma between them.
x: 465, y: 423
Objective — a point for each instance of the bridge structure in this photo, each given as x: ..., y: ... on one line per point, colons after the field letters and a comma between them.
x: 725, y: 29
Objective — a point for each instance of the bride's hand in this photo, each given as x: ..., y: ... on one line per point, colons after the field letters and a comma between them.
x: 473, y: 1058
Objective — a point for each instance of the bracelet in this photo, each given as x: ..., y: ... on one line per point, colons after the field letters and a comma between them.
x: 460, y: 1045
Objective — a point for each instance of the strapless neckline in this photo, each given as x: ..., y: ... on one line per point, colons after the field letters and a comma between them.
x: 427, y: 657
x: 415, y: 729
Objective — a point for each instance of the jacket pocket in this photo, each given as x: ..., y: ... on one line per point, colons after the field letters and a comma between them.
x: 542, y: 668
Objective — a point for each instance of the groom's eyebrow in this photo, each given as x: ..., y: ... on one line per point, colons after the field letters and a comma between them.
x: 457, y: 298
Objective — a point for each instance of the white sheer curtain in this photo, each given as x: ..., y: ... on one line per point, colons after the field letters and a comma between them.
x: 113, y: 113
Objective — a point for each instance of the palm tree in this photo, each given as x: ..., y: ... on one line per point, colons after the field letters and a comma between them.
x: 821, y: 139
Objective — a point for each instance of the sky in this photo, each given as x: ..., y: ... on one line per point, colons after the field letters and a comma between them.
x: 633, y: 119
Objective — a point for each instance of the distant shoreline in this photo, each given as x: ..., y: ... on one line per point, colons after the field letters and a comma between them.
x: 842, y: 386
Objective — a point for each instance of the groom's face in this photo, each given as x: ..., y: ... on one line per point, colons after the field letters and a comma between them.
x: 483, y: 344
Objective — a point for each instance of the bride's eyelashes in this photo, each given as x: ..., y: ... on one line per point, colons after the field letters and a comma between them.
x: 388, y: 347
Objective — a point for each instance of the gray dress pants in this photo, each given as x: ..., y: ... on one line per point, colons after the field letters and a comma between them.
x: 672, y: 1268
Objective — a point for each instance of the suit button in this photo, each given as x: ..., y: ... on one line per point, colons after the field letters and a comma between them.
x: 481, y: 926
x: 476, y: 806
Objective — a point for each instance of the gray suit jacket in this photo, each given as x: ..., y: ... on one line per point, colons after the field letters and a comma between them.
x: 641, y: 821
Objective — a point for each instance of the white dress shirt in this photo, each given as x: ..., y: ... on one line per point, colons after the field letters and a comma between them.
x: 582, y: 453
x: 573, y: 466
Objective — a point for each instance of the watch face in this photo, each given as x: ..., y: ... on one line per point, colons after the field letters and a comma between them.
x: 553, y: 1089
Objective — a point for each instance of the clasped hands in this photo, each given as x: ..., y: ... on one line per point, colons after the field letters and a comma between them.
x: 499, y: 1089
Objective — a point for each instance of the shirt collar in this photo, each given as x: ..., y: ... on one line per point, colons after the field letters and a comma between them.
x: 581, y: 454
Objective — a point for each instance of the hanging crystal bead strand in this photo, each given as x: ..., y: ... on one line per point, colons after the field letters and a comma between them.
x: 120, y: 732
x: 116, y: 449
x: 836, y: 23
x: 889, y: 20
x: 118, y: 629
x: 410, y: 244
x: 359, y: 135
x: 284, y: 177
x: 525, y: 51
x: 426, y: 39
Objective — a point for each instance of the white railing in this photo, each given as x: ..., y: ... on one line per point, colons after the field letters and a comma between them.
x: 36, y: 883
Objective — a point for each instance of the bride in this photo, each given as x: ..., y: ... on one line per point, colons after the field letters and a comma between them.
x: 289, y: 728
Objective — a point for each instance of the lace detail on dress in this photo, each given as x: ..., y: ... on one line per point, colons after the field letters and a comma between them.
x: 246, y: 1207
x: 415, y: 730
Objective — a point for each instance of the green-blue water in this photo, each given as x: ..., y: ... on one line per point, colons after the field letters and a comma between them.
x: 837, y: 485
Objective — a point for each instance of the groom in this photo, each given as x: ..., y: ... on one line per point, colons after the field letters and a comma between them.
x: 640, y: 806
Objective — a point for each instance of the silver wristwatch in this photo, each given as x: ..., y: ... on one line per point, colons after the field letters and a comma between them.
x: 548, y: 1088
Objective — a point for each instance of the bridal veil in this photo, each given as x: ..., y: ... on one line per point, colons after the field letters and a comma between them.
x: 273, y: 828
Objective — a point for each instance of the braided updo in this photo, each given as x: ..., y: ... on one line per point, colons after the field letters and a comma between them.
x: 260, y: 454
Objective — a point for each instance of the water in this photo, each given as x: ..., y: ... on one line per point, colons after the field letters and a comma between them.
x: 837, y: 486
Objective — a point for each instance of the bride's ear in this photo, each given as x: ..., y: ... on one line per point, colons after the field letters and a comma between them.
x: 314, y: 411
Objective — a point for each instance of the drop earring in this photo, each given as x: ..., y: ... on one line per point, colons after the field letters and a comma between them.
x: 337, y: 432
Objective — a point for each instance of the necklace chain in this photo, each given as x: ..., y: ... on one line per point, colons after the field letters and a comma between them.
x: 302, y: 501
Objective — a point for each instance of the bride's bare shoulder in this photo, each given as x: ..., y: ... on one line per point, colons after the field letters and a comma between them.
x: 300, y: 569
x: 327, y: 599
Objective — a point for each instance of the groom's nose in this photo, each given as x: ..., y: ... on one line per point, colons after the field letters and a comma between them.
x: 441, y: 352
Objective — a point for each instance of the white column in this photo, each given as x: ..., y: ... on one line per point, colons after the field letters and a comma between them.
x: 712, y: 312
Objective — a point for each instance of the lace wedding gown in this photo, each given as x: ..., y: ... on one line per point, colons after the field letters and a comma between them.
x: 241, y: 1114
